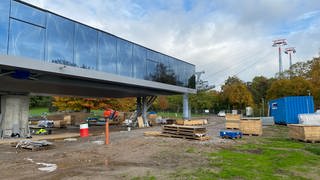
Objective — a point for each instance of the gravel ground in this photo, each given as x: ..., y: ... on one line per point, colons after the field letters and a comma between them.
x: 130, y: 154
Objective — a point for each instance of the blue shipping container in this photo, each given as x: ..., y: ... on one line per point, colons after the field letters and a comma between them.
x: 285, y: 110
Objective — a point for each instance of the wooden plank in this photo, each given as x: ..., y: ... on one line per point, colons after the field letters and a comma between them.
x: 184, y: 133
x: 185, y: 130
x: 186, y: 137
x: 184, y: 127
x: 193, y: 122
x: 140, y: 122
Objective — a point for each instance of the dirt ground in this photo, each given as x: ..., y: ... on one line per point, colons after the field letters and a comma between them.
x: 130, y: 154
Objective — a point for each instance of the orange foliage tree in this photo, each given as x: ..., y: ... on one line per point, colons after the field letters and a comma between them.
x: 88, y: 104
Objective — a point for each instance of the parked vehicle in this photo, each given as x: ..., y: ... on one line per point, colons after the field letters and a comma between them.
x: 221, y: 114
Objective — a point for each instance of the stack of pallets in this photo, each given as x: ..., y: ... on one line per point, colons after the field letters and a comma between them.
x: 185, y: 132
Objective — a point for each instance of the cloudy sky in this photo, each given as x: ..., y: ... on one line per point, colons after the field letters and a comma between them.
x: 221, y: 37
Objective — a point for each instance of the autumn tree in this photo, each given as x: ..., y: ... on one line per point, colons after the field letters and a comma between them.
x: 315, y: 80
x: 236, y: 93
x: 161, y: 103
x: 88, y: 104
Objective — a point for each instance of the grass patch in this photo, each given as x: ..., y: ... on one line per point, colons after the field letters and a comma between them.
x: 38, y: 111
x: 272, y: 157
x: 144, y: 178
x: 313, y: 149
x: 191, y: 150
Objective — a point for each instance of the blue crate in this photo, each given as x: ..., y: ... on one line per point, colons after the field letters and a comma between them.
x: 232, y: 134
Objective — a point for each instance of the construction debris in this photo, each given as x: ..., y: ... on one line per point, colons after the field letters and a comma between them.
x: 32, y: 145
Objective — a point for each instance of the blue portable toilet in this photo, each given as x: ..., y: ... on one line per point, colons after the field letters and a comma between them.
x: 285, y: 110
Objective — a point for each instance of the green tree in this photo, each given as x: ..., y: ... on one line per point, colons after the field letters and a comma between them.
x: 296, y: 86
x: 203, y: 100
x: 40, y: 101
x: 259, y: 88
x: 175, y: 103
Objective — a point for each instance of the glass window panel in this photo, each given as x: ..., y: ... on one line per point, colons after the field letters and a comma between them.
x: 26, y: 40
x: 191, y: 76
x: 152, y: 55
x: 60, y: 33
x: 85, y: 43
x: 124, y: 52
x: 4, y: 24
x: 107, y: 55
x: 139, y: 61
x: 28, y: 14
x: 152, y: 70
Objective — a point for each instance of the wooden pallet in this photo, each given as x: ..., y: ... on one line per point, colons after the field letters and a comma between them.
x: 204, y: 138
x: 193, y: 122
x: 185, y: 132
x: 233, y: 128
x: 181, y: 128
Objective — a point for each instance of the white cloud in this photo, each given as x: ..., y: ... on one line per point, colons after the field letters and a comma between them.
x: 223, y: 37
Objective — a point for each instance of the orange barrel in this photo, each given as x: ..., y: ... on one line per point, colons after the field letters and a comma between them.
x: 84, y: 130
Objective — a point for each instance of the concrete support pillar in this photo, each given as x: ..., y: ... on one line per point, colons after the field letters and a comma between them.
x: 144, y: 111
x: 186, y: 112
x: 14, y: 112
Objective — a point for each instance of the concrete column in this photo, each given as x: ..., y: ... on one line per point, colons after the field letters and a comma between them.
x: 186, y: 115
x: 144, y: 111
x: 15, y: 112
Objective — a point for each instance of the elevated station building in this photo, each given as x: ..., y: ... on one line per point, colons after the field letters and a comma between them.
x: 43, y: 53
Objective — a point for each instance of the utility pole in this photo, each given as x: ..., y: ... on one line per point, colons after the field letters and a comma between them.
x: 278, y: 43
x: 289, y: 51
x: 200, y: 84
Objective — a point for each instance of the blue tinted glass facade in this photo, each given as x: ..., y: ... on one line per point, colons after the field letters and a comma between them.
x: 64, y: 29
x: 4, y: 25
x: 85, y: 47
x: 107, y: 55
x: 124, y: 53
x: 28, y: 14
x: 26, y: 40
x: 139, y: 57
x: 30, y: 32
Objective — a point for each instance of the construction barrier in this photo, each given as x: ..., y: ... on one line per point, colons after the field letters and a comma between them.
x: 84, y: 130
